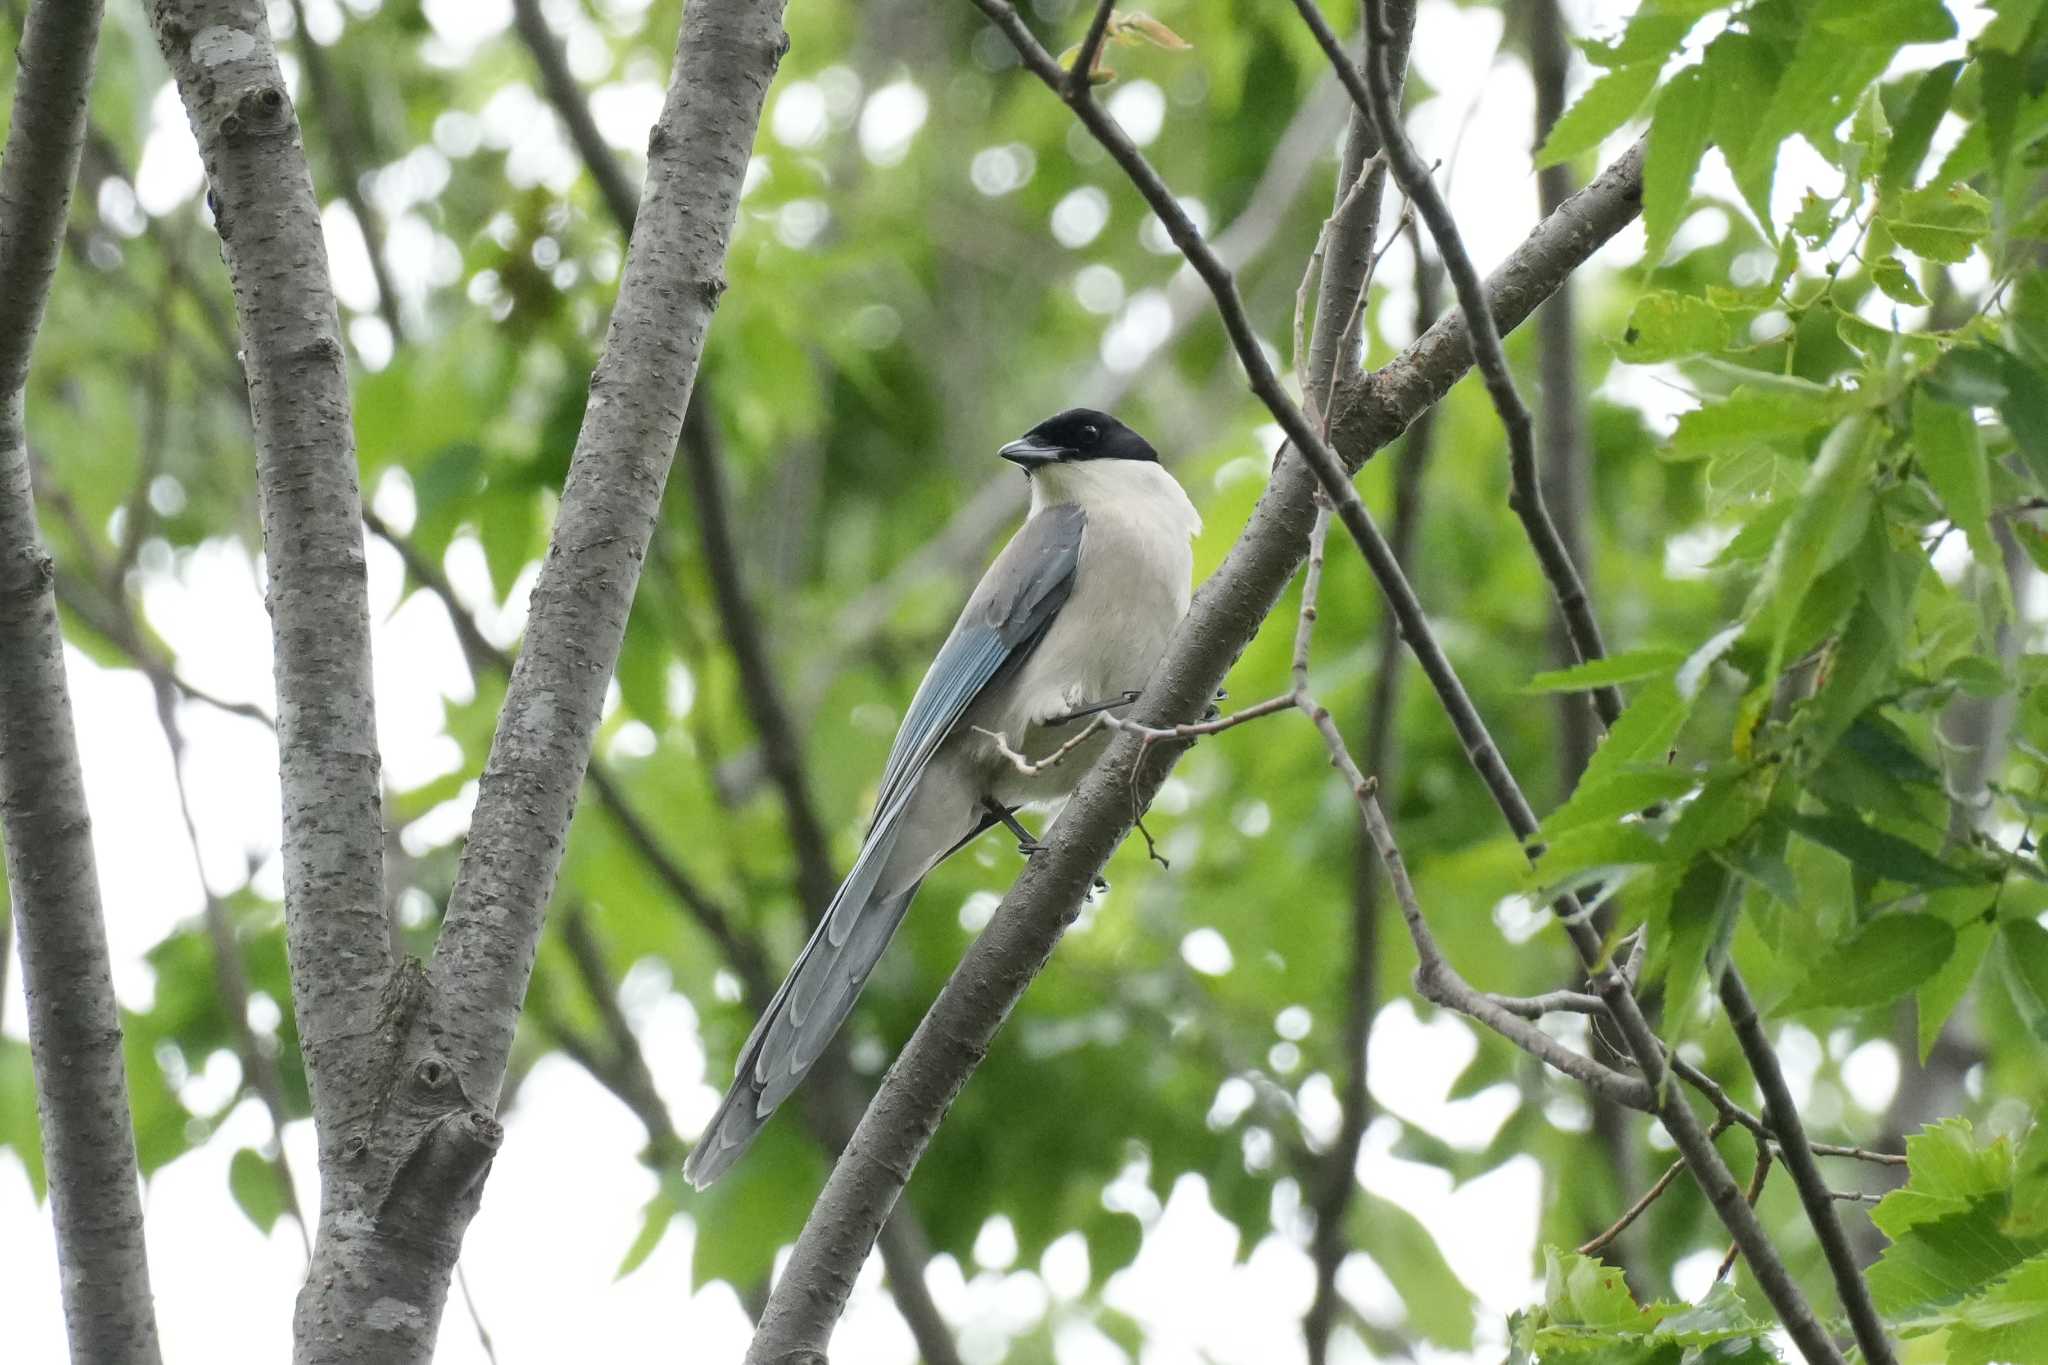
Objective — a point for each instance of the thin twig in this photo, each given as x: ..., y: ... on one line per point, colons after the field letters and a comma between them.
x: 1599, y: 1243
x: 1783, y: 1116
x: 476, y: 1317
x: 1082, y: 74
x: 1754, y: 1193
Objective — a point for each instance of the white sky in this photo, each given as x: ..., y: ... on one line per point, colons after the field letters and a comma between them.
x: 565, y: 1195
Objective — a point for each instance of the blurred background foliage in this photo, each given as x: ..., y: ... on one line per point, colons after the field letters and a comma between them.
x: 930, y: 256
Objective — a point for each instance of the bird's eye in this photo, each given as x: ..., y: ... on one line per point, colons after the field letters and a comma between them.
x: 1090, y: 432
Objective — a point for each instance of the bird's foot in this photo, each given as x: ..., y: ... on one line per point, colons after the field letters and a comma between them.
x: 1093, y: 708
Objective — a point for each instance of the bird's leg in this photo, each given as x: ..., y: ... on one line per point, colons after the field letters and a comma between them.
x: 1092, y: 708
x: 1026, y: 844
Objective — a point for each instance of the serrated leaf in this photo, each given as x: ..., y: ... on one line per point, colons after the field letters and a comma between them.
x: 1618, y: 794
x: 1913, y: 134
x: 1654, y: 32
x: 1608, y: 103
x: 1680, y: 129
x: 1667, y: 326
x: 1886, y: 23
x: 1750, y: 415
x: 1743, y: 71
x: 1876, y: 965
x: 1939, y: 223
x: 1629, y: 666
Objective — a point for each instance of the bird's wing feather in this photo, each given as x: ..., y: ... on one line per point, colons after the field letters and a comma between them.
x: 1000, y: 626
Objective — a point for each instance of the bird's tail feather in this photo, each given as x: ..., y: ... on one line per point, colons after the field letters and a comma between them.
x: 806, y: 1011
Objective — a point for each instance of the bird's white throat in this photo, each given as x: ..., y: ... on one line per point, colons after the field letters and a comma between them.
x: 1136, y: 489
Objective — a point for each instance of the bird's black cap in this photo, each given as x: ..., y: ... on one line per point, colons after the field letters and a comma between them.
x: 1078, y: 434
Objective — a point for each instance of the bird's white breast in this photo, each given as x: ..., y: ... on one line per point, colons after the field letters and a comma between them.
x: 1131, y: 589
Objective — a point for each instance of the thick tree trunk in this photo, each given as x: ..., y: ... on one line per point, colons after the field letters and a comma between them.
x: 74, y: 1023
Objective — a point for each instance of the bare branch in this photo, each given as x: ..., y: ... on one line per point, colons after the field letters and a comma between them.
x: 313, y: 541
x: 74, y: 1024
x: 760, y: 686
x: 1081, y: 75
x: 1783, y: 1117
x: 558, y: 83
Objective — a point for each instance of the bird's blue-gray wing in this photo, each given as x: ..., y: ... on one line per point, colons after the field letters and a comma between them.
x: 1004, y: 620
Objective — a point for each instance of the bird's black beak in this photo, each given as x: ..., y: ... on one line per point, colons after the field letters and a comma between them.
x: 1031, y: 452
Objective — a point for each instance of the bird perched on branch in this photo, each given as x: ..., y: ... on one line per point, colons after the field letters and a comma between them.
x: 1066, y: 623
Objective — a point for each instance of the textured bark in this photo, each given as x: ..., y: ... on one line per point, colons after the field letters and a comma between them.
x: 1227, y: 612
x: 697, y: 155
x: 269, y: 223
x: 74, y: 1023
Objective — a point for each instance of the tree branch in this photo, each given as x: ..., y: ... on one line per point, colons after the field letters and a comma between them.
x: 1783, y: 1117
x: 1376, y: 93
x: 269, y: 225
x: 1226, y: 613
x: 558, y: 83
x: 760, y: 686
x: 674, y: 274
x: 74, y: 1023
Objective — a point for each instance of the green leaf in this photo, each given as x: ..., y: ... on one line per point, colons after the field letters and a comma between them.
x: 2006, y: 1323
x: 1440, y: 1308
x: 1654, y: 33
x: 654, y: 1224
x: 1743, y: 71
x: 1641, y: 736
x: 1667, y: 326
x: 2023, y: 962
x: 1679, y: 132
x: 1890, y: 274
x: 1877, y: 964
x: 1617, y: 794
x: 1887, y: 855
x: 1913, y: 133
x: 1938, y: 996
x: 1831, y: 515
x: 1816, y: 219
x: 1885, y: 23
x: 253, y: 1180
x: 1941, y: 224
x: 1627, y: 667
x: 1748, y: 416
x: 1952, y: 456
x: 1607, y: 104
